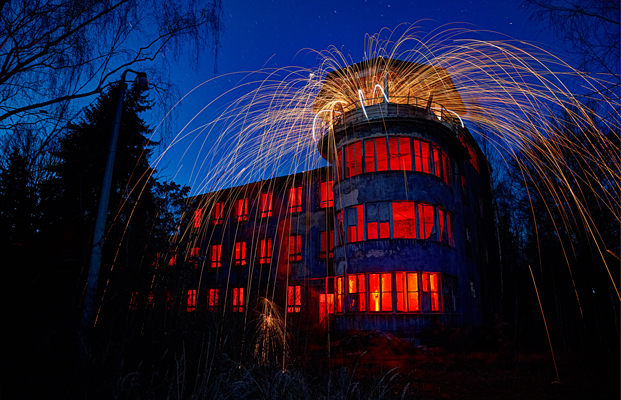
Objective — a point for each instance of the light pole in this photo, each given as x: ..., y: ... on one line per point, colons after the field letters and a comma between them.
x: 100, y: 222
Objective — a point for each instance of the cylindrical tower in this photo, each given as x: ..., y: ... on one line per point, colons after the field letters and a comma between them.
x: 407, y: 201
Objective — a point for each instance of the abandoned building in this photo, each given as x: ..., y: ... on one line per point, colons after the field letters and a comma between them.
x: 395, y: 234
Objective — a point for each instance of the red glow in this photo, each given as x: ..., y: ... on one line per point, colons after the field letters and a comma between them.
x: 382, y: 157
x: 374, y: 290
x: 325, y: 194
x: 326, y: 305
x: 434, y: 289
x: 339, y: 165
x: 425, y: 276
x: 339, y: 294
x: 197, y: 217
x: 446, y: 169
x: 400, y: 153
x: 404, y: 220
x: 295, y: 248
x: 295, y: 199
x: 354, y: 159
x: 238, y: 299
x: 400, y: 289
x: 266, y: 205
x: 386, y: 292
x: 240, y: 253
x: 212, y: 301
x: 355, y: 231
x: 193, y: 256
x: 327, y: 241
x: 216, y: 256
x: 378, y: 221
x: 425, y: 219
x: 217, y: 214
x: 150, y: 299
x: 294, y: 299
x: 241, y: 210
x: 173, y: 260
x: 265, y: 251
x: 340, y: 237
x: 191, y: 306
x: 356, y: 295
x: 412, y: 288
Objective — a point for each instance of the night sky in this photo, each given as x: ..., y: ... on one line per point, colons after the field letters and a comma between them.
x: 277, y: 33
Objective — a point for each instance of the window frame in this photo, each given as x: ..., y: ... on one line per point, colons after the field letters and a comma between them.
x: 294, y: 299
x: 266, y: 205
x: 217, y: 213
x: 241, y: 210
x: 265, y: 251
x: 239, y: 253
x: 216, y: 262
x: 295, y: 244
x: 295, y: 200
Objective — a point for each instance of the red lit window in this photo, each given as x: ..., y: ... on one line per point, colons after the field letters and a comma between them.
x: 356, y: 293
x: 294, y: 299
x: 326, y: 305
x: 378, y: 220
x: 425, y: 220
x: 150, y: 299
x: 380, y: 289
x: 444, y: 223
x: 340, y: 233
x: 353, y: 159
x: 295, y: 199
x: 354, y: 224
x: 216, y: 256
x: 240, y: 253
x: 339, y: 165
x: 339, y: 294
x: 191, y: 304
x: 265, y: 251
x: 295, y: 248
x: 407, y: 291
x: 404, y: 220
x: 446, y: 169
x: 431, y: 287
x: 241, y: 210
x: 217, y: 214
x: 173, y: 260
x: 375, y: 155
x: 133, y: 302
x: 193, y: 255
x: 266, y: 205
x: 422, y: 160
x: 212, y: 299
x: 197, y: 217
x: 400, y: 153
x: 238, y: 299
x: 325, y: 194
x: 327, y: 244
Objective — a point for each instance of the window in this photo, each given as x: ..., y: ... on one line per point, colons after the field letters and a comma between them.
x: 191, y: 303
x: 444, y: 224
x: 446, y: 169
x: 404, y: 220
x: 431, y: 288
x: 326, y: 305
x: 217, y: 214
x: 193, y: 256
x: 425, y: 220
x: 216, y: 256
x: 378, y: 221
x: 295, y: 199
x: 340, y: 233
x: 339, y: 294
x: 407, y: 291
x: 400, y: 153
x: 295, y: 248
x: 173, y: 260
x: 266, y: 205
x: 339, y: 165
x: 240, y: 253
x: 238, y: 299
x: 380, y: 289
x: 212, y: 299
x: 375, y: 155
x: 265, y: 251
x: 325, y: 194
x: 294, y: 299
x: 353, y: 159
x: 327, y: 244
x: 356, y: 293
x: 197, y: 217
x: 354, y: 224
x: 422, y: 160
x: 241, y: 210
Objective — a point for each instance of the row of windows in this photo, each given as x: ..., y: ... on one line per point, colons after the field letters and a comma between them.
x: 240, y: 207
x: 191, y: 299
x: 397, y: 220
x: 393, y: 154
x: 408, y: 292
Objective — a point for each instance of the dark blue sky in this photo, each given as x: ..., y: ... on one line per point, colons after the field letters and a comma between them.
x: 275, y: 33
